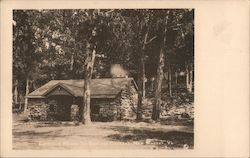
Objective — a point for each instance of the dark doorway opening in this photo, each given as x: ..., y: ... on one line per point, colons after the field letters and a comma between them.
x: 94, y: 110
x: 60, y: 107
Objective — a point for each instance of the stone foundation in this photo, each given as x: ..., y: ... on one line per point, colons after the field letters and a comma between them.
x: 105, y: 109
x: 107, y: 113
x: 180, y: 111
x: 75, y: 113
x: 39, y: 112
x: 129, y: 99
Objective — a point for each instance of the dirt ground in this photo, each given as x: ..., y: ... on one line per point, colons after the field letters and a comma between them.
x: 101, y: 135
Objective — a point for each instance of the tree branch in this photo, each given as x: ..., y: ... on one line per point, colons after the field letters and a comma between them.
x: 149, y: 41
x: 110, y: 11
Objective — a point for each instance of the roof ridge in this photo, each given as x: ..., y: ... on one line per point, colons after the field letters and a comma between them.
x: 113, y: 78
x: 63, y: 86
x: 98, y: 86
x: 95, y: 79
x: 71, y: 85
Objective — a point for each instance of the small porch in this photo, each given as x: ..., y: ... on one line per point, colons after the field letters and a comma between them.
x: 63, y: 103
x: 63, y: 107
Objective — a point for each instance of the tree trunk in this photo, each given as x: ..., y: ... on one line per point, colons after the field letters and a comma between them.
x: 141, y: 80
x: 72, y: 62
x: 166, y: 77
x: 176, y: 78
x: 191, y: 80
x: 15, y: 93
x: 187, y: 77
x: 140, y: 90
x: 89, y: 63
x: 20, y: 103
x: 159, y: 76
x: 140, y: 102
x: 169, y: 80
x: 158, y: 83
x: 143, y: 83
x: 141, y: 87
x: 26, y: 94
x: 152, y: 84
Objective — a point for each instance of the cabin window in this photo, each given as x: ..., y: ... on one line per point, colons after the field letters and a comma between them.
x: 52, y: 108
x: 95, y: 109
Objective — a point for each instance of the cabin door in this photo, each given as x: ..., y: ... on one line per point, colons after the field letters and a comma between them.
x: 61, y: 106
x: 95, y: 109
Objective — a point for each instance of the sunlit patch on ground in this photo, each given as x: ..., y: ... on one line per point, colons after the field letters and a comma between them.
x: 101, y: 135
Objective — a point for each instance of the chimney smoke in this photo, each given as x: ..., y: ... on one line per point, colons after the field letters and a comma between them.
x: 118, y: 71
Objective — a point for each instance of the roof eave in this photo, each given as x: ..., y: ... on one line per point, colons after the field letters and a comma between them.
x: 36, y: 96
x: 103, y: 96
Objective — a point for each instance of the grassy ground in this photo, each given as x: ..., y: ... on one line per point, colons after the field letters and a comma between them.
x: 101, y: 135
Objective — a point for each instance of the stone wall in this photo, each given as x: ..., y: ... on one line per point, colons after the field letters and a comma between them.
x: 39, y: 112
x: 179, y: 112
x: 45, y: 110
x: 120, y: 108
x: 75, y: 112
x: 107, y: 113
x: 129, y: 99
x: 108, y: 109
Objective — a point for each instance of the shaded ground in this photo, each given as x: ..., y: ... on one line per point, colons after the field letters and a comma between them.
x: 101, y: 135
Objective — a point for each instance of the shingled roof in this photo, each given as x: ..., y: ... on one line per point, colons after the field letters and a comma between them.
x: 99, y: 88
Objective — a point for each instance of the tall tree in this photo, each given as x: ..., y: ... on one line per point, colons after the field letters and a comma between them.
x: 24, y: 57
x: 143, y: 25
x: 88, y: 66
x: 53, y: 44
x: 160, y: 73
x: 140, y: 20
x: 96, y: 38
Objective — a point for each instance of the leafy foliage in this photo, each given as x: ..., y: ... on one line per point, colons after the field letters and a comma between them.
x: 51, y: 44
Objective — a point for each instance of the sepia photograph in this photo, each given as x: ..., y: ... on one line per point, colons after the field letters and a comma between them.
x: 155, y: 78
x: 103, y: 79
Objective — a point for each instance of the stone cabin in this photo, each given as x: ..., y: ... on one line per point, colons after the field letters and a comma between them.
x: 61, y: 100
